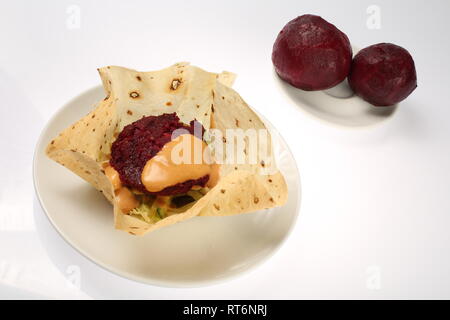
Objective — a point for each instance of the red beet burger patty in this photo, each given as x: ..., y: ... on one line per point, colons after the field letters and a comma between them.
x: 142, y: 140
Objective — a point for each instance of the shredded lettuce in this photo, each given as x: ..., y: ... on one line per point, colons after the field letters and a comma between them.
x: 195, y: 194
x: 152, y: 210
x: 161, y: 213
x: 147, y: 212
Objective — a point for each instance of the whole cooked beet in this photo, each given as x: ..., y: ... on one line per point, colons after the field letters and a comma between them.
x: 312, y: 54
x: 383, y: 74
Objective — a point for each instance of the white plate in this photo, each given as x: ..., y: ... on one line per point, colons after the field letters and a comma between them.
x: 197, y: 252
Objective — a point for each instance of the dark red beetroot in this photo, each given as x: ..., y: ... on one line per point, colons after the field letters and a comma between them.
x: 142, y: 140
x: 312, y: 54
x: 383, y: 74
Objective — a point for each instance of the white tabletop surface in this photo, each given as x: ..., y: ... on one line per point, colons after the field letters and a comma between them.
x: 375, y: 214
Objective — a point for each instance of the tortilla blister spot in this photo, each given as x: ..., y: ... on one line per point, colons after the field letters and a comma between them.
x: 195, y: 94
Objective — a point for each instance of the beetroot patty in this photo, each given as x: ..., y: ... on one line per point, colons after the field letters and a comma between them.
x: 142, y: 140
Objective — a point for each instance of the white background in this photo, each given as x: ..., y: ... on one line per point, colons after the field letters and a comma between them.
x: 375, y: 214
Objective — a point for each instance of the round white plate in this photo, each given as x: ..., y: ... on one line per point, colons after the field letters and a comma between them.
x: 197, y: 252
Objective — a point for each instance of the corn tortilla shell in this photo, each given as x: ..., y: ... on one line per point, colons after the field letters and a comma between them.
x: 193, y: 94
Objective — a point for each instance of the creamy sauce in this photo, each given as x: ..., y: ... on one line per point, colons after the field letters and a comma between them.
x: 171, y: 165
x: 161, y: 172
x: 114, y: 177
x: 125, y: 200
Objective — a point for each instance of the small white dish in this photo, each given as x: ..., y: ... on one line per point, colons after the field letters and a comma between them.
x: 197, y: 252
x: 338, y: 105
x: 341, y: 90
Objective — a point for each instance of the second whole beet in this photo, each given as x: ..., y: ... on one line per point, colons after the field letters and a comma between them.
x: 383, y: 74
